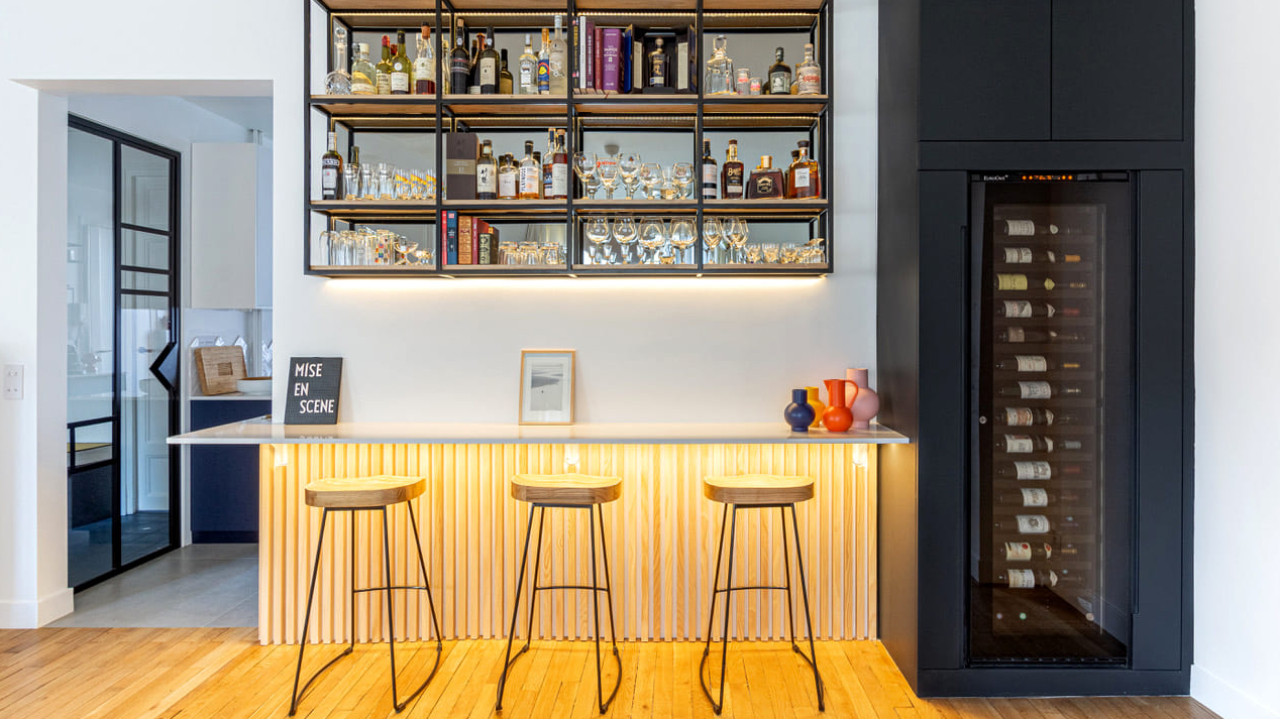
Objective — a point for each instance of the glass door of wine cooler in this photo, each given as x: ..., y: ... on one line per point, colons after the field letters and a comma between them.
x: 1051, y: 514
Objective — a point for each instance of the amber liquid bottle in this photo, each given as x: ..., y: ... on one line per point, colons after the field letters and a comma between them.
x: 732, y: 174
x: 766, y: 180
x: 802, y: 177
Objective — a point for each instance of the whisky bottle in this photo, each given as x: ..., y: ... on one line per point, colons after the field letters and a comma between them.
x: 808, y: 74
x: 459, y: 62
x: 506, y: 83
x: 779, y: 75
x: 488, y: 65
x: 802, y: 177
x: 1015, y: 416
x: 1022, y: 281
x: 363, y: 73
x: 1036, y: 497
x: 709, y: 172
x: 658, y: 66
x: 424, y: 65
x: 732, y: 174
x: 1022, y: 444
x: 1034, y: 364
x: 384, y: 68
x: 528, y: 68
x: 508, y: 178
x: 530, y: 174
x: 766, y: 181
x: 1023, y: 255
x: 1021, y: 551
x: 331, y: 171
x: 1039, y: 390
x: 544, y: 64
x: 559, y: 168
x: 558, y: 60
x: 1023, y: 335
x: 486, y: 173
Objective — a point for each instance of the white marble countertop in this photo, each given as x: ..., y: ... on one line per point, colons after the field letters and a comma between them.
x: 261, y: 431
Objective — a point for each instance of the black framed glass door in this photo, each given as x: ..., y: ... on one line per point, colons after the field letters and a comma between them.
x: 122, y: 399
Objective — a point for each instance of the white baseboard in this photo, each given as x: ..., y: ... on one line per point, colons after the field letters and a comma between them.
x: 35, y: 614
x: 1224, y: 698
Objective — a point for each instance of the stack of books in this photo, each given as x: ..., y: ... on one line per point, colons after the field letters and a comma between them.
x: 467, y: 240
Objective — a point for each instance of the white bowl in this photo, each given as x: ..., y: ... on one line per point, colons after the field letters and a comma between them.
x: 254, y: 386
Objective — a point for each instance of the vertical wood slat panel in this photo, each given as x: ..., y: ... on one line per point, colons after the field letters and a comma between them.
x: 662, y: 538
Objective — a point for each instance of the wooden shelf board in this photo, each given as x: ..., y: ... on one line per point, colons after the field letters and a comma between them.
x: 375, y: 269
x: 509, y: 207
x: 624, y: 206
x: 383, y: 5
x: 340, y: 208
x: 765, y: 207
x: 507, y: 104
x: 340, y: 105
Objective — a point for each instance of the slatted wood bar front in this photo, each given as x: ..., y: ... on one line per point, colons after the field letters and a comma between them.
x: 662, y: 536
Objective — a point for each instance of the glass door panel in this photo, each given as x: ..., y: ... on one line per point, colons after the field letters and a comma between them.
x: 145, y: 331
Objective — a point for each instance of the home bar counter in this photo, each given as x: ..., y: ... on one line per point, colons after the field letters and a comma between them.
x: 661, y: 533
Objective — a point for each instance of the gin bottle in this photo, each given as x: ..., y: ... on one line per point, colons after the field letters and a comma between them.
x: 338, y: 82
x: 719, y: 76
x: 363, y: 74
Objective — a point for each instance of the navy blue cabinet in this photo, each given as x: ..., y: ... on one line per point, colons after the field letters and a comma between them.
x: 224, y: 478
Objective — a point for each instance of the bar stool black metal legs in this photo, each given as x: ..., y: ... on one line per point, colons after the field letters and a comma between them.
x: 366, y: 494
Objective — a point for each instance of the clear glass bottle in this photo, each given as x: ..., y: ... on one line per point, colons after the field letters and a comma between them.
x: 544, y: 64
x: 363, y: 74
x: 658, y: 66
x: 559, y: 60
x: 383, y: 69
x: 424, y: 65
x: 508, y: 178
x: 528, y: 68
x: 719, y: 79
x: 803, y: 180
x: 401, y: 68
x: 808, y: 74
x: 530, y: 174
x: 338, y: 82
x: 779, y: 75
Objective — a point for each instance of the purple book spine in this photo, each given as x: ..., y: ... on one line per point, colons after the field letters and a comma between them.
x: 612, y: 57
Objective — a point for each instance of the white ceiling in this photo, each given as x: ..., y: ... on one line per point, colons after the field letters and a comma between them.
x: 251, y: 112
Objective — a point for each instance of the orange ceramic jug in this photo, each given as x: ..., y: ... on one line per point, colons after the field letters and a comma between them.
x: 837, y: 417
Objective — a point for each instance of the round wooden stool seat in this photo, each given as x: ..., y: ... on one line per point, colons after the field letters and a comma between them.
x: 758, y: 489
x: 364, y: 492
x: 566, y: 489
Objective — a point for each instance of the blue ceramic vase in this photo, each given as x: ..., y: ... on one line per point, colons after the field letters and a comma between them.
x: 799, y: 414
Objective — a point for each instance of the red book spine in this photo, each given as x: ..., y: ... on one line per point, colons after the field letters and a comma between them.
x: 599, y: 58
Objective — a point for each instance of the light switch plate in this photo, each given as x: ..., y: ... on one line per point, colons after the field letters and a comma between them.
x: 12, y: 382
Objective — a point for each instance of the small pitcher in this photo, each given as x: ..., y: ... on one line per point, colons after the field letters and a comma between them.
x: 837, y: 417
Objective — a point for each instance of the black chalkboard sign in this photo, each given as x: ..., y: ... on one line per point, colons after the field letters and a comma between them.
x: 312, y: 395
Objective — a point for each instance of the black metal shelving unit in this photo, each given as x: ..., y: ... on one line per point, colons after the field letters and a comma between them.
x: 578, y: 112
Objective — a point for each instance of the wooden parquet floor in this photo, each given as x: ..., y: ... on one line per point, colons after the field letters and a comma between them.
x: 220, y: 672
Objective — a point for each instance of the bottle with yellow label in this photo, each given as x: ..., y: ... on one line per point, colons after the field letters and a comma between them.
x: 1022, y: 281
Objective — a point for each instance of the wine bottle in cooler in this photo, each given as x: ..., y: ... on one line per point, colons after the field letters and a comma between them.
x: 1039, y: 390
x: 1036, y: 470
x: 1018, y: 416
x: 1025, y: 578
x: 1019, y: 282
x: 1034, y: 524
x: 1024, y: 551
x: 1025, y: 335
x: 1019, y: 444
x: 1025, y: 255
x: 1035, y: 498
x: 1029, y: 228
x: 1034, y: 364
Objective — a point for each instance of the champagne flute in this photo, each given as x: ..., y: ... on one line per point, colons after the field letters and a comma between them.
x: 629, y: 167
x: 650, y: 177
x: 712, y: 234
x: 737, y: 233
x: 682, y: 176
x: 652, y: 236
x: 584, y: 164
x: 607, y: 169
x: 683, y: 235
x: 597, y: 232
x: 624, y: 231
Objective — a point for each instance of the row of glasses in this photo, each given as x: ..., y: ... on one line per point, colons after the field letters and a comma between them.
x: 649, y: 241
x: 725, y: 239
x: 597, y: 171
x: 384, y: 181
x: 532, y: 251
x: 366, y: 246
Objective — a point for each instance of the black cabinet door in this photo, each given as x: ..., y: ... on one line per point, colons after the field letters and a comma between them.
x: 1117, y: 69
x: 984, y: 71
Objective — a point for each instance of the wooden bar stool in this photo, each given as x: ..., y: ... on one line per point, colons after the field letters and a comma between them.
x: 373, y: 494
x: 758, y: 491
x: 587, y: 492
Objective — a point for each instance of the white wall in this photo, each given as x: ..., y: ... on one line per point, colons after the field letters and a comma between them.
x: 1237, y: 589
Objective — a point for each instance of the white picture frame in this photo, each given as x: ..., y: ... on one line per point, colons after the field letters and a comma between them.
x: 547, y: 387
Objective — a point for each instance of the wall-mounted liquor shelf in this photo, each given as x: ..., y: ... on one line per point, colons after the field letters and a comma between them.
x: 408, y: 226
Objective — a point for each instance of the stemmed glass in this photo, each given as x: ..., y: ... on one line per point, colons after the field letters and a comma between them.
x: 629, y: 167
x: 650, y: 177
x: 683, y: 235
x: 652, y: 236
x: 735, y: 230
x: 597, y: 233
x: 584, y: 164
x: 682, y: 176
x: 607, y: 169
x: 624, y: 231
x: 712, y: 234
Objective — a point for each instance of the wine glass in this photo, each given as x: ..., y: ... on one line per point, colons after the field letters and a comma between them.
x: 682, y: 176
x: 597, y: 233
x: 624, y: 231
x: 735, y: 230
x: 770, y: 251
x: 683, y: 235
x: 607, y: 169
x: 584, y: 164
x: 712, y: 234
x: 652, y: 236
x: 629, y: 167
x: 650, y: 177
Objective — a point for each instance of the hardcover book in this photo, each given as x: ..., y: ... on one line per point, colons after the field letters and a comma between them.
x: 465, y: 225
x: 486, y: 244
x: 598, y: 66
x: 460, y: 165
x: 450, y: 237
x: 625, y: 72
x: 612, y: 60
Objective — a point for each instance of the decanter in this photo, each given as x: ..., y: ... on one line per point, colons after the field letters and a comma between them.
x: 338, y: 82
x: 719, y: 78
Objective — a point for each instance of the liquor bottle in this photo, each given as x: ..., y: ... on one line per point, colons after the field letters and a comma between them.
x: 1015, y: 416
x: 1039, y: 390
x: 732, y: 174
x: 460, y: 63
x: 1020, y: 578
x: 424, y: 65
x: 488, y: 66
x: 658, y: 66
x: 528, y: 68
x: 383, y: 73
x: 1022, y: 281
x: 544, y: 64
x: 363, y: 74
x: 1023, y: 255
x: 1036, y: 497
x: 338, y: 82
x: 401, y: 69
x: 1034, y: 364
x: 808, y: 74
x: 1022, y: 524
x: 473, y: 66
x: 1023, y: 335
x: 331, y: 171
x: 766, y: 181
x: 558, y: 58
x: 1029, y: 228
x: 506, y: 83
x: 1036, y: 470
x: 559, y: 168
x: 719, y: 78
x: 1023, y: 444
x: 548, y: 162
x: 779, y: 75
x: 351, y: 191
x: 710, y: 172
x: 508, y: 178
x: 1017, y: 551
x: 802, y: 176
x: 486, y: 173
x: 530, y: 174
x: 1029, y: 309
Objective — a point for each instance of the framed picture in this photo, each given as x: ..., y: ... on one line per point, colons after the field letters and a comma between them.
x: 546, y: 387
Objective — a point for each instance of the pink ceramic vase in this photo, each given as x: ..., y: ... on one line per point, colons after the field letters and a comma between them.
x: 864, y: 403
